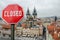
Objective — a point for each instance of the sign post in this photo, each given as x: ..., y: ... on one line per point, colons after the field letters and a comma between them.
x: 12, y: 14
x: 12, y: 31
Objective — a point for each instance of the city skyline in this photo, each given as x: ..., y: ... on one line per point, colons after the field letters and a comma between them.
x: 45, y: 8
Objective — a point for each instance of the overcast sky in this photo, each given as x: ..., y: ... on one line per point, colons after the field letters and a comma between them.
x: 44, y: 8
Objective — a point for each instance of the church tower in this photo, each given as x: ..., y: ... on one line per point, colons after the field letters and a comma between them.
x: 34, y: 13
x: 28, y: 14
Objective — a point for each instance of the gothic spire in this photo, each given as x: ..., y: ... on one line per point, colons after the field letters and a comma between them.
x: 28, y: 13
x: 34, y: 12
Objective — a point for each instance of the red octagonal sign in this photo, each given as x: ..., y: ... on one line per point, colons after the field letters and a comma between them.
x: 12, y: 13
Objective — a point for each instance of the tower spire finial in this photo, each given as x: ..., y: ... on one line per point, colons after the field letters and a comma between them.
x: 28, y: 12
x: 34, y: 12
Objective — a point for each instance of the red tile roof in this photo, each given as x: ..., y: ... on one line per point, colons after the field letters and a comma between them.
x: 8, y: 26
x: 52, y: 29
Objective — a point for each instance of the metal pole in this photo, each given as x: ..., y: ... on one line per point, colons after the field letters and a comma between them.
x: 12, y: 31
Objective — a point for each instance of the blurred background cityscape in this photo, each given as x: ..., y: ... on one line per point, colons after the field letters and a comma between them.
x: 41, y: 20
x: 32, y: 28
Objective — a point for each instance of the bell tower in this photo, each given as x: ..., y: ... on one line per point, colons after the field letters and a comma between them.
x: 34, y: 13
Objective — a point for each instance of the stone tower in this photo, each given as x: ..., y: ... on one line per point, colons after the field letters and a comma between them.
x: 34, y: 13
x: 28, y: 14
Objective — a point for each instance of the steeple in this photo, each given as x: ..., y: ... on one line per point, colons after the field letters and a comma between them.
x: 34, y: 12
x: 28, y: 13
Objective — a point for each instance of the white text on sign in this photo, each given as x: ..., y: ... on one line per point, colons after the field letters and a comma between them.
x: 12, y: 13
